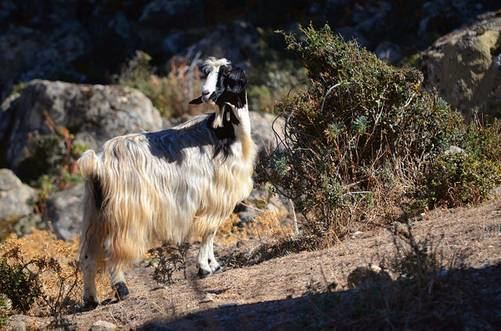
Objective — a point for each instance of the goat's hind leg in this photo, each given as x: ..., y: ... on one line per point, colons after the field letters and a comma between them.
x: 117, y: 276
x: 118, y: 283
x: 89, y: 254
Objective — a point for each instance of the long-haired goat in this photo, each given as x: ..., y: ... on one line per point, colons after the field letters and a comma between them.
x: 168, y: 185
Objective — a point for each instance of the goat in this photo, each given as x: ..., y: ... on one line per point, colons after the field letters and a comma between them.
x: 168, y: 185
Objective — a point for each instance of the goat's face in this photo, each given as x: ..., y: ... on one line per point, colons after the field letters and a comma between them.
x: 220, y: 78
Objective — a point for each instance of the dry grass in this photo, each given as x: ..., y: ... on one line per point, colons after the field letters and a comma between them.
x: 268, y: 224
x: 44, y: 245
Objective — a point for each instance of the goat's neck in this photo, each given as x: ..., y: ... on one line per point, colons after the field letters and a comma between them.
x: 243, y: 132
x: 243, y: 129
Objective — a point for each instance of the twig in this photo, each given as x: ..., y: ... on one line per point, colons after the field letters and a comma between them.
x: 294, y: 218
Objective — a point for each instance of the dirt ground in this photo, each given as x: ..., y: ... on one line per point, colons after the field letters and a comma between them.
x: 272, y: 295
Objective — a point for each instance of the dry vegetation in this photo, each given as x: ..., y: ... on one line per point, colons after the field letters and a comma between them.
x: 170, y: 94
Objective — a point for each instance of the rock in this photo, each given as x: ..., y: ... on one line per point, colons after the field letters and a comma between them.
x: 16, y: 198
x: 462, y: 65
x: 247, y: 216
x: 16, y: 323
x: 366, y: 277
x: 167, y: 14
x: 262, y: 131
x: 388, y: 52
x: 103, y: 326
x: 64, y: 210
x: 29, y: 53
x: 33, y: 127
x: 454, y: 150
x: 237, y: 41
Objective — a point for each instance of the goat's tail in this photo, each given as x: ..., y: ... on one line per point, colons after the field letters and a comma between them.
x: 92, y: 231
x: 89, y: 164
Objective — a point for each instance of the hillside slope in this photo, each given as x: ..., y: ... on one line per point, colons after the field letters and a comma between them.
x: 287, y: 292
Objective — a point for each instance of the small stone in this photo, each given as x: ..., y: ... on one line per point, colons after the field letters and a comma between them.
x: 209, y: 297
x: 103, y: 326
x: 454, y: 150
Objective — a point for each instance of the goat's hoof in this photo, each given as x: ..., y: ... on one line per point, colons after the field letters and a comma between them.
x: 217, y: 269
x: 121, y: 291
x: 89, y: 304
x: 202, y: 273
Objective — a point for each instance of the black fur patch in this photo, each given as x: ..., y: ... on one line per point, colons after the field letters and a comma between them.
x: 231, y: 84
x: 98, y: 192
x: 121, y: 291
x: 226, y: 134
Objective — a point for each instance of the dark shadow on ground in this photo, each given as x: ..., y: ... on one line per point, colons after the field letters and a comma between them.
x: 454, y: 300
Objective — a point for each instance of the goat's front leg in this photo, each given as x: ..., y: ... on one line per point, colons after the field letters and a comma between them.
x: 214, y: 265
x: 204, y: 268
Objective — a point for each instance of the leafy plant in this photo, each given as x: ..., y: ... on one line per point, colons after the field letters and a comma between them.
x: 358, y: 139
x: 456, y: 179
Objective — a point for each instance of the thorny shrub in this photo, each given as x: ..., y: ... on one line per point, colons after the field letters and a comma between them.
x: 359, y: 140
x: 466, y: 176
x: 23, y: 283
x: 167, y: 260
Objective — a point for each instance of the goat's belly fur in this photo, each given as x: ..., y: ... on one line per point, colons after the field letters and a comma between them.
x: 148, y: 196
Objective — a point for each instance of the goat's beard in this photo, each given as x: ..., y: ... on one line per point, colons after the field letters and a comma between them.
x: 218, y: 119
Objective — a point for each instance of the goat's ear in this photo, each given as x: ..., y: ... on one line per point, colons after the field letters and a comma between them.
x: 236, y: 80
x: 196, y: 101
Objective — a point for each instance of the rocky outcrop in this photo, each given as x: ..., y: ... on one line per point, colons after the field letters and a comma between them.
x: 29, y: 53
x: 262, y: 130
x: 465, y: 66
x: 16, y: 198
x: 34, y: 127
x: 64, y: 211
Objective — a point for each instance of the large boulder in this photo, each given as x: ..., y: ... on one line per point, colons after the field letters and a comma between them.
x: 16, y: 199
x: 35, y: 126
x: 263, y: 126
x: 465, y: 66
x: 28, y: 53
x: 64, y: 212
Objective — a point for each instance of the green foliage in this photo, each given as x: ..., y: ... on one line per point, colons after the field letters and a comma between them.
x: 456, y: 179
x: 358, y: 121
x: 5, y: 309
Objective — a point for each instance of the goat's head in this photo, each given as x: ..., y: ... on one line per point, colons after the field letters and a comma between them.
x: 223, y: 83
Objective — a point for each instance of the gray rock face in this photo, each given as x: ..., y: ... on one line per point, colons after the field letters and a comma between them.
x: 463, y: 66
x: 262, y: 130
x: 28, y: 53
x: 64, y: 210
x: 16, y: 198
x: 30, y: 127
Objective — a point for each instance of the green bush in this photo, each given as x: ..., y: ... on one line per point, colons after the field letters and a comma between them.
x: 456, y: 179
x: 358, y: 139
